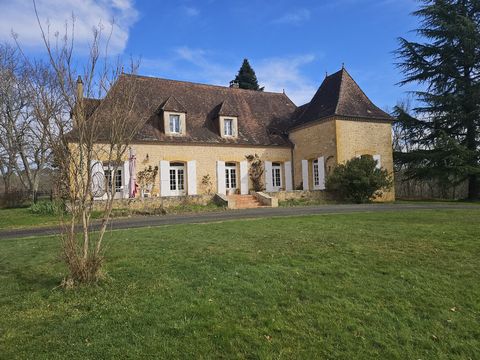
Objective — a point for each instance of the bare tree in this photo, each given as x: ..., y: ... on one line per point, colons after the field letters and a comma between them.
x: 23, y: 142
x: 89, y: 116
x: 12, y: 104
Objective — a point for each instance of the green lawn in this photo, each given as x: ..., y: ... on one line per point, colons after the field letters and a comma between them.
x: 359, y: 286
x: 23, y: 218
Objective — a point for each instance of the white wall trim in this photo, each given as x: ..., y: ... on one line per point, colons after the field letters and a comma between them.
x: 192, y: 177
x: 321, y: 172
x: 164, y: 178
x: 288, y: 176
x: 221, y: 187
x: 305, y: 174
x: 126, y: 179
x: 268, y: 176
x: 244, y: 177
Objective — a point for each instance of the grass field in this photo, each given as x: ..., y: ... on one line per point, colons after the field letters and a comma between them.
x: 23, y: 218
x: 361, y: 286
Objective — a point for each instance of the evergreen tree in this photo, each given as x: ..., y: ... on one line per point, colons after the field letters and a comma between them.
x: 246, y: 78
x: 446, y: 63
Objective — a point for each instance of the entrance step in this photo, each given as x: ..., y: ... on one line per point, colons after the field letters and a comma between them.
x: 243, y: 202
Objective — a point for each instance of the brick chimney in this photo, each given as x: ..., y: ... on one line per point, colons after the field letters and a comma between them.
x: 234, y: 84
x: 79, y: 100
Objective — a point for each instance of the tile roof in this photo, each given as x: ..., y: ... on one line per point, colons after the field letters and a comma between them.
x: 264, y: 118
x: 172, y: 104
x: 338, y: 95
x: 257, y: 111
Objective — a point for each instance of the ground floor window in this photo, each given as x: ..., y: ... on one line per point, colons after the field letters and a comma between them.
x: 316, y: 175
x: 230, y: 176
x: 177, y: 178
x: 276, y: 176
x: 116, y: 182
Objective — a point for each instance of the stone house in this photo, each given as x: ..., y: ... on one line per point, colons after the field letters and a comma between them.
x: 199, y: 136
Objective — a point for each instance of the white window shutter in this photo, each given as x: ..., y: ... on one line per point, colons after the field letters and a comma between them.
x: 305, y: 174
x: 288, y: 176
x: 126, y: 180
x: 378, y: 159
x: 221, y: 188
x: 164, y: 178
x: 192, y: 177
x: 268, y: 176
x: 321, y: 172
x: 244, y: 177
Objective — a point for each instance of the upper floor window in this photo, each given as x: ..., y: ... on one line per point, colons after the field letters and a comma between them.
x: 175, y: 124
x: 228, y: 127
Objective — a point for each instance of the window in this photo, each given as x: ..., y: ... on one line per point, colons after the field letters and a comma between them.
x: 231, y: 176
x: 117, y: 181
x: 175, y: 124
x: 228, y: 127
x: 276, y: 176
x: 316, y: 176
x: 177, y: 178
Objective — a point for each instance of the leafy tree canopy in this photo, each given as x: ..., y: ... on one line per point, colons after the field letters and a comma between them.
x: 444, y: 129
x: 246, y: 78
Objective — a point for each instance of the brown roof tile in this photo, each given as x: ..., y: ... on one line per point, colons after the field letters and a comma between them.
x: 257, y: 111
x: 264, y: 118
x: 172, y: 104
x: 339, y: 95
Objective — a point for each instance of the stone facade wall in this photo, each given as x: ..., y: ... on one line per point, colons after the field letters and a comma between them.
x: 368, y: 137
x: 206, y: 157
x: 153, y: 203
x: 300, y: 194
x: 311, y: 142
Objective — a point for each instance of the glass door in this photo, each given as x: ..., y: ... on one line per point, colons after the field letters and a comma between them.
x: 230, y: 176
x: 177, y: 179
x: 276, y: 176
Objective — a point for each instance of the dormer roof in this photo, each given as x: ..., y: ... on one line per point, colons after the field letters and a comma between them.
x: 172, y: 104
x: 227, y: 109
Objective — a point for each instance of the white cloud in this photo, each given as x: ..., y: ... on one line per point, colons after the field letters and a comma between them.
x: 278, y: 74
x: 19, y: 16
x: 295, y: 17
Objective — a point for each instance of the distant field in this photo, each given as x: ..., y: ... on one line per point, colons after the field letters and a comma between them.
x: 401, y: 285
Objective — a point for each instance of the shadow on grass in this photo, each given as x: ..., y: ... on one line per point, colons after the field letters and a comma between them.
x: 32, y: 278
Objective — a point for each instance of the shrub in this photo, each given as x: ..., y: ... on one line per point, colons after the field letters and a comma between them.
x: 47, y: 208
x: 358, y: 180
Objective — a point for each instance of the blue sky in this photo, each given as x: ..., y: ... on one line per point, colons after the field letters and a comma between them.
x: 290, y: 44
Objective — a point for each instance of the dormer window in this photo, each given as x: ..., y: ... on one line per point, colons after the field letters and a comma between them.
x: 174, y: 117
x: 174, y: 124
x: 228, y: 127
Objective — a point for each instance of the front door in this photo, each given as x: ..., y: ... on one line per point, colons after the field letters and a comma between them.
x: 177, y: 179
x: 230, y: 176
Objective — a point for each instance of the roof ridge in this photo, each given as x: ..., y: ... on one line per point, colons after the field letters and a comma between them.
x: 345, y: 72
x: 342, y: 74
x: 202, y: 84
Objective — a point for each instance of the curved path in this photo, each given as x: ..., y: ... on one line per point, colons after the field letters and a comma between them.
x: 148, y: 221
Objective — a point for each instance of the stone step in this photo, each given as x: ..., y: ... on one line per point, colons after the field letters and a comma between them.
x: 245, y: 201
